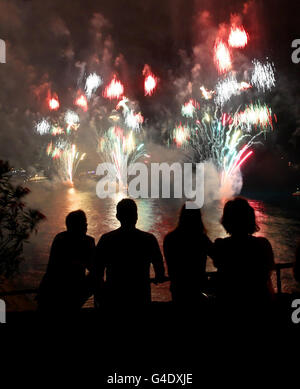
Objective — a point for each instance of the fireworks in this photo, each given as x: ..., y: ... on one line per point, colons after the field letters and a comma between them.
x: 70, y: 159
x: 72, y: 120
x: 226, y: 89
x: 256, y: 115
x: 223, y: 142
x: 263, y: 76
x: 92, y: 83
x: 56, y: 130
x: 81, y: 102
x: 222, y: 56
x: 226, y: 119
x: 114, y: 89
x: 189, y: 108
x: 207, y: 94
x: 181, y: 136
x: 121, y: 150
x: 244, y: 86
x: 43, y: 127
x: 229, y: 87
x: 150, y: 81
x: 238, y: 37
x: 150, y: 85
x: 134, y: 120
x: 53, y: 103
x: 216, y: 131
x: 53, y: 152
x: 123, y: 104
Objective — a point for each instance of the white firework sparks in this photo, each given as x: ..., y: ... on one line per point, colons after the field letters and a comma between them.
x: 71, y: 118
x: 226, y: 89
x: 43, y: 127
x: 188, y: 109
x: 93, y: 81
x: 134, y: 120
x: 263, y: 75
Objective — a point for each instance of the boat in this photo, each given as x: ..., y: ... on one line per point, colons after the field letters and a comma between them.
x: 38, y: 178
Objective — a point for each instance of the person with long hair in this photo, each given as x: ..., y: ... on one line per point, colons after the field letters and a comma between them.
x: 244, y: 261
x: 186, y: 249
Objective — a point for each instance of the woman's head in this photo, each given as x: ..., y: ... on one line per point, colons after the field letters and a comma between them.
x: 191, y: 219
x: 239, y: 217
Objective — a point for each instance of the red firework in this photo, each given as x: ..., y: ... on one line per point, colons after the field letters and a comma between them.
x: 150, y: 82
x: 81, y: 102
x: 226, y: 119
x: 53, y: 102
x: 222, y: 56
x: 114, y: 89
x: 238, y: 37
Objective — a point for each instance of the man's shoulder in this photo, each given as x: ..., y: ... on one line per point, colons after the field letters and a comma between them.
x: 61, y: 236
x: 110, y: 235
x: 145, y: 235
x: 172, y: 235
x: 90, y: 239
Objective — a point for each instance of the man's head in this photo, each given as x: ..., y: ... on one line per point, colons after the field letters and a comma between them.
x: 127, y: 212
x: 76, y: 222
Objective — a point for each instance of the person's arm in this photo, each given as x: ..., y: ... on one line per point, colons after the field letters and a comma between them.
x: 54, y: 257
x: 53, y: 268
x: 215, y: 252
x: 90, y: 254
x: 157, y: 260
x: 100, y: 260
x: 167, y: 246
x: 209, y: 246
x: 268, y: 255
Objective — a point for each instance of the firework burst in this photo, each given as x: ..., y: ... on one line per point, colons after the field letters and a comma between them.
x: 238, y: 38
x: 121, y: 151
x: 43, y: 127
x: 150, y: 81
x: 81, y: 102
x: 114, y: 89
x: 263, y: 76
x: 69, y: 161
x: 222, y: 56
x: 72, y: 120
x: 92, y: 83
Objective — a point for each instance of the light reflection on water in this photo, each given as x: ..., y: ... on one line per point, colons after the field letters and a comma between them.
x: 281, y: 226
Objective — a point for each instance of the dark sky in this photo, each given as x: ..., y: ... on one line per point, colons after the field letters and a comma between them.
x: 47, y: 40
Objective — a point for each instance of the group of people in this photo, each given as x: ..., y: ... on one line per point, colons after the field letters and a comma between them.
x: 116, y: 271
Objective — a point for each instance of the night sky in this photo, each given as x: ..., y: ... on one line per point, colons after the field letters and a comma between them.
x: 49, y: 42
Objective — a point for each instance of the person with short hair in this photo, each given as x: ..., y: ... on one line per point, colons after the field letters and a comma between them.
x: 64, y: 286
x: 125, y: 255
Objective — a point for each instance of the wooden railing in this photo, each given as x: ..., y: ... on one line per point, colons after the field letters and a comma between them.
x: 278, y: 268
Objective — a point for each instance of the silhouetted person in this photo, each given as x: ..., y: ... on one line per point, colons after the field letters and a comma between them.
x: 65, y: 286
x: 244, y: 262
x: 297, y: 264
x: 186, y: 249
x: 126, y: 255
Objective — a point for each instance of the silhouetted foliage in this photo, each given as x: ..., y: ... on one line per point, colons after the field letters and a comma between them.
x: 17, y: 222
